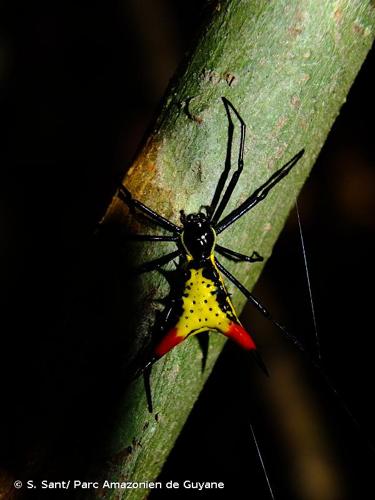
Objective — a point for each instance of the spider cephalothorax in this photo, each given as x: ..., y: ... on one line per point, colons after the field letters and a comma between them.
x: 198, y: 236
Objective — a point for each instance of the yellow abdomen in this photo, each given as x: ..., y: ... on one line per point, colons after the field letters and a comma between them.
x: 205, y: 306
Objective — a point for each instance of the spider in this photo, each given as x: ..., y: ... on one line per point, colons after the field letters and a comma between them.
x: 203, y: 303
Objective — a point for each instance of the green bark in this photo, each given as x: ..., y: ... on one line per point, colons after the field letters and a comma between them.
x: 287, y: 66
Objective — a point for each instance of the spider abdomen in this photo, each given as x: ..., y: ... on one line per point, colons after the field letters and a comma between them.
x: 206, y: 306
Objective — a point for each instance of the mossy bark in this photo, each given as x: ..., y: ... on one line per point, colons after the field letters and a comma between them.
x: 287, y: 66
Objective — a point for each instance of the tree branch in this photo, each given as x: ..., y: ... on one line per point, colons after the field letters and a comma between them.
x: 287, y: 67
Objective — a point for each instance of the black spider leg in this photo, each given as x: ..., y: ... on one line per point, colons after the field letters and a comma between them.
x: 236, y: 256
x: 125, y: 195
x: 259, y: 194
x: 156, y: 263
x: 217, y: 212
x: 146, y: 367
x: 227, y: 166
x: 259, y: 306
x: 150, y: 237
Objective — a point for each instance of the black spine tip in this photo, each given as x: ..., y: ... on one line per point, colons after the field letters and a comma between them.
x: 259, y: 361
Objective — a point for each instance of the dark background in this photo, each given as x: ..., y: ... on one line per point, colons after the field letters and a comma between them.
x: 80, y: 85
